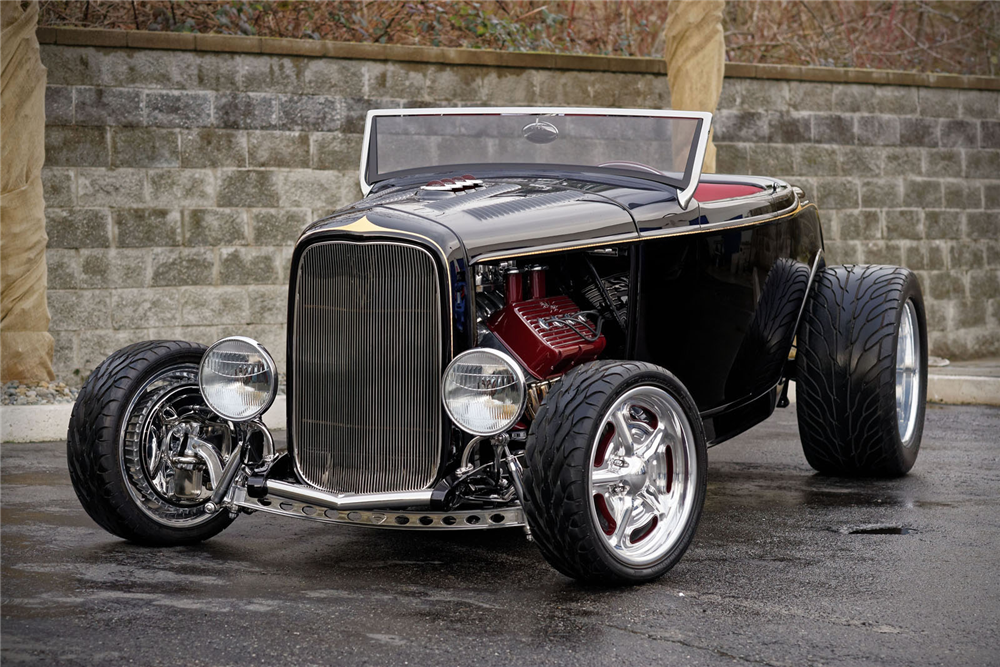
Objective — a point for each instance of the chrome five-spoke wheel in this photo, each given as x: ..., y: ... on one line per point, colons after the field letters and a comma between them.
x: 642, y: 475
x: 616, y: 472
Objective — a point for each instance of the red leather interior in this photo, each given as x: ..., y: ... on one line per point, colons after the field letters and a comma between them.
x: 715, y: 191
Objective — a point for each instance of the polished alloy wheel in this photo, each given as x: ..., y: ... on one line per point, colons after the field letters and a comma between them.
x: 642, y: 475
x: 164, y: 479
x: 907, y: 373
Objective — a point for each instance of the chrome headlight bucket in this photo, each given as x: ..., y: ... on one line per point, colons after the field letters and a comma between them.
x: 483, y: 391
x: 238, y: 378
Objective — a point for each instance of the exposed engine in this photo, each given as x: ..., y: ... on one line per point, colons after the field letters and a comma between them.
x: 536, y: 313
x: 548, y: 334
x: 610, y: 296
x: 533, y: 312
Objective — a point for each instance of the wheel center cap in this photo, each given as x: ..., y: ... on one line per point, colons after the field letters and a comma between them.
x: 635, y: 473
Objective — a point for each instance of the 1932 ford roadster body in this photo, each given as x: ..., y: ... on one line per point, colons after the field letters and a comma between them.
x: 536, y: 317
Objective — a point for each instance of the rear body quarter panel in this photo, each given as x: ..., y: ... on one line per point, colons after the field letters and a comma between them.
x: 699, y: 296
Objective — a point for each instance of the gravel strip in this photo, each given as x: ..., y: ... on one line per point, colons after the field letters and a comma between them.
x: 37, y: 393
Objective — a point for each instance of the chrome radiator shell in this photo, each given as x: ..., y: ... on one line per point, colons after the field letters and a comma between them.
x: 366, y: 359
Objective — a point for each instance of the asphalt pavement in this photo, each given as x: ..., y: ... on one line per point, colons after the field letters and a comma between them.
x: 787, y: 568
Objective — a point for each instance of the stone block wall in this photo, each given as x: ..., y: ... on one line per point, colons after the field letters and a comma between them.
x: 902, y: 175
x: 176, y: 181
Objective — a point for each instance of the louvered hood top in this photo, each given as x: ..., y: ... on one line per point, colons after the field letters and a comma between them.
x: 515, y: 215
x: 509, y: 215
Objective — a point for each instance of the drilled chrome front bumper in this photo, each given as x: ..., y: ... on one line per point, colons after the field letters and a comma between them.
x: 397, y: 509
x: 508, y: 517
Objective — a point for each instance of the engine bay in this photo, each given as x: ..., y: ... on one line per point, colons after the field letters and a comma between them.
x: 549, y: 317
x: 555, y: 315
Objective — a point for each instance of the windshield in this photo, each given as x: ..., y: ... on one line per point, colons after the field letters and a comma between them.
x: 666, y: 146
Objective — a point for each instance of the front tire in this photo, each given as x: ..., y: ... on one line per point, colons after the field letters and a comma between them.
x: 126, y: 424
x: 616, y: 473
x: 862, y: 371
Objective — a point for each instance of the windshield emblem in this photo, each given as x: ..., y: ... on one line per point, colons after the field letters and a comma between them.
x: 540, y: 132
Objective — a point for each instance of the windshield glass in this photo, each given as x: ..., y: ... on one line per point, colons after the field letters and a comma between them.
x: 662, y: 147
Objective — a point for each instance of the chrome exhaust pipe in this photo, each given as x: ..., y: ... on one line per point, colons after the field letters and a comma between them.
x: 277, y: 491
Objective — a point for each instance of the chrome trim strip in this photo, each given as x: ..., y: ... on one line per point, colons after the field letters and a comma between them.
x: 347, y: 501
x: 506, y: 517
x: 683, y: 196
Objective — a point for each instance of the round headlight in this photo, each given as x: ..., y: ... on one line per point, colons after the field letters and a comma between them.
x: 483, y: 391
x: 238, y: 378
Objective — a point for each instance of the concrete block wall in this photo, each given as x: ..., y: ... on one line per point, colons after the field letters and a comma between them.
x: 176, y: 181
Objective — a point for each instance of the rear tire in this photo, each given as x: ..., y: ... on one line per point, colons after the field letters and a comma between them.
x: 109, y: 487
x: 849, y: 358
x: 616, y: 473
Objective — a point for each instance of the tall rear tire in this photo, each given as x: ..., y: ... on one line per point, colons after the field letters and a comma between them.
x: 616, y: 473
x: 125, y: 426
x: 862, y: 371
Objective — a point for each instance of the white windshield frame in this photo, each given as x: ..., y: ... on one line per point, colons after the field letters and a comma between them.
x: 684, y: 196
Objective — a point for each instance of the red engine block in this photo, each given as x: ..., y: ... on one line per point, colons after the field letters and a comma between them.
x: 546, y: 351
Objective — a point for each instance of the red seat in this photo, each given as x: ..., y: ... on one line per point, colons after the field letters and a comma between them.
x: 716, y: 191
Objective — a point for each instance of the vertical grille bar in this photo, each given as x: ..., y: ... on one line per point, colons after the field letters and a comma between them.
x: 366, y: 361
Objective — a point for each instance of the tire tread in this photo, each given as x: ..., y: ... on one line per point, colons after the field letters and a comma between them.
x: 846, y: 370
x: 557, y: 503
x: 92, y: 445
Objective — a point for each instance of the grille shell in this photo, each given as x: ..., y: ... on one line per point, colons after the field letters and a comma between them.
x: 366, y: 365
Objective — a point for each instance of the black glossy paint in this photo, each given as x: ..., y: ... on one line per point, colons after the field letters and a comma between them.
x: 698, y: 299
x: 698, y: 276
x: 771, y: 202
x: 516, y: 215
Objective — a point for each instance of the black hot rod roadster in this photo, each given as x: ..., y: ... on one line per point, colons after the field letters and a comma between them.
x: 536, y: 317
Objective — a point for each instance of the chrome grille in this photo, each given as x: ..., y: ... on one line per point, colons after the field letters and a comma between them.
x: 366, y: 365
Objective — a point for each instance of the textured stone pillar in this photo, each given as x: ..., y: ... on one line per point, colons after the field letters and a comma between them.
x: 696, y: 55
x: 25, y: 343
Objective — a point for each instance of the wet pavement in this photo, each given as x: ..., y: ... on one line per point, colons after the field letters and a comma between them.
x: 788, y: 568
